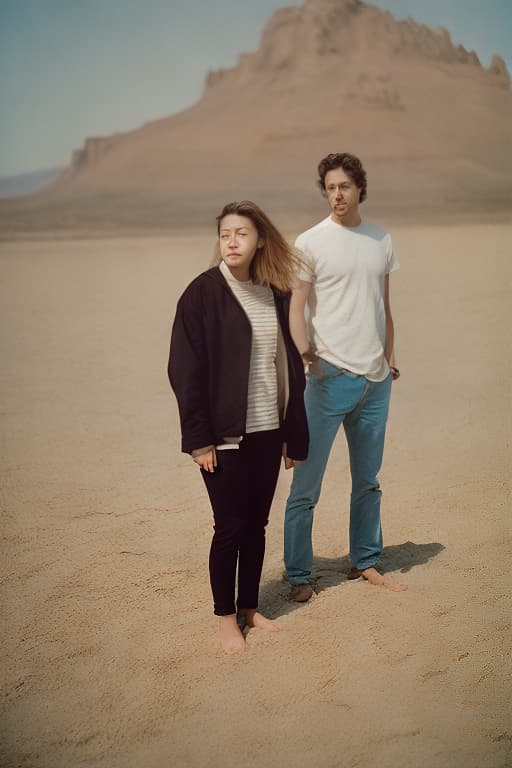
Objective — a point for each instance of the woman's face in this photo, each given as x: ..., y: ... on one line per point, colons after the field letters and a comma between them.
x: 238, y: 241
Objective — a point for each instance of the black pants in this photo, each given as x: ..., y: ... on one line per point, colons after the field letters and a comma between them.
x: 241, y: 490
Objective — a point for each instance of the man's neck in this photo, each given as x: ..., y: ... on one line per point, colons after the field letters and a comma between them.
x: 354, y: 220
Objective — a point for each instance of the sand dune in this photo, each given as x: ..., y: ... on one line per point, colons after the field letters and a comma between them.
x: 110, y: 658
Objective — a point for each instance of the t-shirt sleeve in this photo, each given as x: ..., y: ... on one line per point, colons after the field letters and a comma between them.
x: 306, y: 271
x: 392, y: 263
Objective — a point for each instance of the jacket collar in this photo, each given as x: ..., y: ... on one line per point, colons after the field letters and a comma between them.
x: 216, y: 275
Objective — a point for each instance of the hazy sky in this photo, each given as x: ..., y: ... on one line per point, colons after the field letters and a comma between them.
x: 76, y: 68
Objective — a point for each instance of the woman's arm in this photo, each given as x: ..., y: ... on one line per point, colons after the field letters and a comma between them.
x: 295, y: 426
x: 188, y: 373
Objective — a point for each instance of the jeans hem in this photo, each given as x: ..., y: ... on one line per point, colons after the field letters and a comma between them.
x: 363, y: 566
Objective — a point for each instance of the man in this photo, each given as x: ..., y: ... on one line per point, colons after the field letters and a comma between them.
x: 347, y: 348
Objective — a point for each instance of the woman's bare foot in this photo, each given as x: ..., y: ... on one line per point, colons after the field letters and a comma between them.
x: 257, y: 620
x: 231, y: 639
x: 374, y: 577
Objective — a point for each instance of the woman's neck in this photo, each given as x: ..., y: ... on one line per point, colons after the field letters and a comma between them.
x: 241, y: 274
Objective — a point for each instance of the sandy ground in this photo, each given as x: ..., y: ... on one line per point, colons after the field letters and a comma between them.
x: 110, y: 655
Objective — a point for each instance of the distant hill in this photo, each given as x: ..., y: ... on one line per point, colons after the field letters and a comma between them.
x: 430, y: 123
x: 27, y: 183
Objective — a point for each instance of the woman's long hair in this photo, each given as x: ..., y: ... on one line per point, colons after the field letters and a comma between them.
x: 275, y: 262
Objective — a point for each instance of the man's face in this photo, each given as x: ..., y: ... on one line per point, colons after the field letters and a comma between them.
x: 342, y: 193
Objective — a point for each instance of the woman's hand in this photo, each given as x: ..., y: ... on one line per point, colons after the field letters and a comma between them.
x: 288, y: 463
x: 207, y: 460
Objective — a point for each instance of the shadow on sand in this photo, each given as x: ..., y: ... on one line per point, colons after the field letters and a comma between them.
x: 329, y: 572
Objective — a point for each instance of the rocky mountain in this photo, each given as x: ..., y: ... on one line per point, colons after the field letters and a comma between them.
x: 430, y: 122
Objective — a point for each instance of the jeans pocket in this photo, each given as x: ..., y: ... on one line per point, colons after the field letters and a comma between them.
x: 329, y: 371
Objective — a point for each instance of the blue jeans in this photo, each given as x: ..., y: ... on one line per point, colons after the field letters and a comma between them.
x: 332, y: 397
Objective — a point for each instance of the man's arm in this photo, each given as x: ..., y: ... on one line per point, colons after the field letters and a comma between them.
x: 298, y: 327
x: 389, y: 350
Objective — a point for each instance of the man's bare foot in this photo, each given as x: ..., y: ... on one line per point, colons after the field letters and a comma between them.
x: 231, y: 639
x: 257, y: 620
x: 374, y: 577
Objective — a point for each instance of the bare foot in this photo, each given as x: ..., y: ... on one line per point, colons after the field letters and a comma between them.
x: 374, y: 577
x: 255, y: 619
x: 231, y: 639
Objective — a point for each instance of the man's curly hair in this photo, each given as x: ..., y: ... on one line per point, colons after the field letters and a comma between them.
x: 348, y: 163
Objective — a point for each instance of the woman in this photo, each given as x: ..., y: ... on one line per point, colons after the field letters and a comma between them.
x: 239, y: 382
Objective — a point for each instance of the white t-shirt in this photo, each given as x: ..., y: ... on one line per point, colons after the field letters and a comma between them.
x: 346, y: 267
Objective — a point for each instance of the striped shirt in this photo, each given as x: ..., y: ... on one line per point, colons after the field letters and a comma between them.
x: 257, y: 301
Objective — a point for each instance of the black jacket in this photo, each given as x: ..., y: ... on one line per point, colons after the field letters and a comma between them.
x: 209, y: 366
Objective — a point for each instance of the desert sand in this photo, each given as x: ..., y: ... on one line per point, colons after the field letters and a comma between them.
x: 110, y: 652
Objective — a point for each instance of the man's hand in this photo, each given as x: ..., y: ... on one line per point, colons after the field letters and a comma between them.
x: 288, y: 463
x: 207, y: 461
x: 311, y: 362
